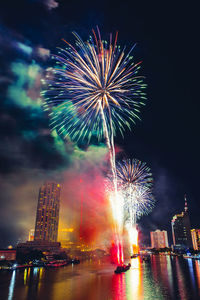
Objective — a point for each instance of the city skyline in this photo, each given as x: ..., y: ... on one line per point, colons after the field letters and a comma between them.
x: 44, y: 189
x: 157, y: 237
x: 48, y: 209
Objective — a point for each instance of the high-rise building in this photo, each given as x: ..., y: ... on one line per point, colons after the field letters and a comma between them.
x: 181, y: 228
x: 159, y: 239
x: 195, y: 233
x: 47, y: 217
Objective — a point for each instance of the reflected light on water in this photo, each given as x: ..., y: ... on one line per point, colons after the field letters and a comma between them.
x: 40, y: 277
x: 180, y: 279
x: 35, y: 271
x: 191, y: 269
x: 11, y: 286
x: 169, y: 272
x: 134, y: 280
x: 162, y: 278
x: 118, y: 287
x: 26, y: 280
x: 25, y: 276
x: 128, y: 286
x: 197, y: 267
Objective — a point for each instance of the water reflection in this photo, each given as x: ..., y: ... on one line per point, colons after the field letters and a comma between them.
x: 197, y: 269
x: 134, y: 280
x: 191, y: 269
x: 164, y: 277
x: 181, y: 280
x: 118, y: 287
x: 11, y: 286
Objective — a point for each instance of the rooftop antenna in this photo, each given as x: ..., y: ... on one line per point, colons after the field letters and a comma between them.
x: 186, y: 206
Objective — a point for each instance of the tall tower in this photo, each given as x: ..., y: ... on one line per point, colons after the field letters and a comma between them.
x: 47, y: 216
x: 181, y: 228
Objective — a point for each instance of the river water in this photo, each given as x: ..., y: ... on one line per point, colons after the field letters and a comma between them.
x: 164, y: 277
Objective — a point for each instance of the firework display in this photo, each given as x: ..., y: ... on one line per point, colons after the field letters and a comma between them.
x: 94, y: 83
x: 135, y: 182
x: 95, y: 91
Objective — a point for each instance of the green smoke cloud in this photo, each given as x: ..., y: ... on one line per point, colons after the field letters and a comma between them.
x: 25, y: 89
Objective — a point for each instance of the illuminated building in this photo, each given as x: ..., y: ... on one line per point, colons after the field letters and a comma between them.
x: 39, y: 245
x: 47, y: 217
x: 181, y: 228
x: 195, y: 233
x: 7, y: 254
x: 66, y: 237
x: 31, y: 235
x: 159, y: 239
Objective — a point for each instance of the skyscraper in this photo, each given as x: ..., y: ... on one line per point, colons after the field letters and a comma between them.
x: 47, y: 217
x: 196, y: 238
x: 159, y: 239
x: 181, y: 228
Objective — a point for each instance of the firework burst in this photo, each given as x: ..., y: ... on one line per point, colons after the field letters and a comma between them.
x: 134, y: 183
x: 138, y: 201
x: 133, y: 173
x: 93, y: 83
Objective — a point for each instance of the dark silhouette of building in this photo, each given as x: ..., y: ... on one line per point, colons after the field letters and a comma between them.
x: 47, y: 217
x: 181, y: 230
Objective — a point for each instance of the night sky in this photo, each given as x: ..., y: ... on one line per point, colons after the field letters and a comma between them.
x: 167, y: 138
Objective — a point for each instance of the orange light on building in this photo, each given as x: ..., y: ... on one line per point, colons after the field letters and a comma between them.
x: 133, y: 239
x: 195, y: 233
x: 31, y: 235
x: 135, y: 244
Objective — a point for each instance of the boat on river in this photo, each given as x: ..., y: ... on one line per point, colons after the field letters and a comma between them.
x: 57, y: 263
x: 122, y: 268
x: 134, y: 255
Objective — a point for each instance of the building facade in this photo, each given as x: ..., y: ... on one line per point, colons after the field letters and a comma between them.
x: 195, y: 233
x: 159, y: 239
x: 181, y: 231
x: 7, y: 254
x: 66, y: 237
x: 47, y: 216
x: 39, y: 245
